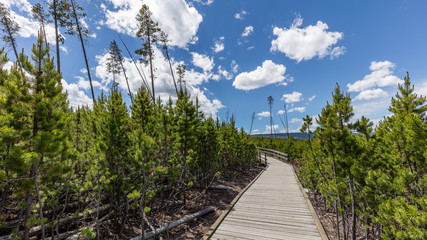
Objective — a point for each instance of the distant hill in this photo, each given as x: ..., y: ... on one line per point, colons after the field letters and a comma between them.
x: 296, y: 135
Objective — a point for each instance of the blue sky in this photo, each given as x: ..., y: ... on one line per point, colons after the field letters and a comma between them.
x: 238, y: 53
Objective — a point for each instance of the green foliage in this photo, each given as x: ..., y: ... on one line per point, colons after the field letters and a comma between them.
x: 137, y: 158
x: 377, y: 175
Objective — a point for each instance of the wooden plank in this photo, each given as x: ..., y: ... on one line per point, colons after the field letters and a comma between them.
x: 273, y: 207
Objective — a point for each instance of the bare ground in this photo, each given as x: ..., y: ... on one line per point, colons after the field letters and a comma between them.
x: 198, y: 199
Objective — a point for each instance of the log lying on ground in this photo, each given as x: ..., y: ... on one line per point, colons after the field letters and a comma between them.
x: 174, y: 224
x: 217, y: 187
x: 37, y: 229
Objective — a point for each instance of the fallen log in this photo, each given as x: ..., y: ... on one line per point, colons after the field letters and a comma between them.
x: 37, y: 229
x: 217, y: 187
x: 174, y: 224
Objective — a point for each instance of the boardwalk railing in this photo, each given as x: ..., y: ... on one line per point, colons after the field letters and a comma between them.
x: 273, y: 153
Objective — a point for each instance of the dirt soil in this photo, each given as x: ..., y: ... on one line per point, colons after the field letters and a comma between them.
x: 200, y: 199
x: 328, y: 218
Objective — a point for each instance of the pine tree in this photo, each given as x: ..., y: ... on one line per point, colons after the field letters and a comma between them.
x: 42, y: 139
x: 147, y: 31
x: 38, y: 13
x: 116, y: 136
x: 9, y: 28
x: 115, y: 64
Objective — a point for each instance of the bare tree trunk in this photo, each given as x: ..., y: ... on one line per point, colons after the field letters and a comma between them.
x: 83, y: 48
x: 150, y: 53
x: 39, y: 199
x: 133, y: 60
x: 353, y: 212
x: 170, y: 66
x: 127, y: 81
x: 13, y: 43
x: 55, y: 17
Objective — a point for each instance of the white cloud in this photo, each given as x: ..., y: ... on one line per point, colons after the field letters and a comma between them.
x: 219, y: 45
x: 227, y: 75
x: 268, y: 128
x: 374, y: 109
x: 255, y: 131
x: 337, y: 51
x: 264, y: 75
x: 293, y: 97
x: 306, y: 43
x: 163, y: 83
x: 281, y: 112
x: 251, y: 48
x: 29, y: 27
x: 295, y: 120
x: 248, y: 31
x: 84, y: 84
x: 297, y: 109
x: 371, y: 94
x: 240, y: 15
x: 312, y: 98
x: 202, y: 61
x: 7, y: 65
x: 76, y: 97
x: 234, y: 66
x: 421, y: 89
x: 381, y: 76
x: 175, y: 17
x: 206, y: 2
x: 263, y: 114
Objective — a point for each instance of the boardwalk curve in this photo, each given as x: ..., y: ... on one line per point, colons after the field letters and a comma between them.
x: 274, y: 207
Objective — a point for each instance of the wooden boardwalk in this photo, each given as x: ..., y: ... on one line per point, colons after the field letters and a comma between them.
x: 274, y: 207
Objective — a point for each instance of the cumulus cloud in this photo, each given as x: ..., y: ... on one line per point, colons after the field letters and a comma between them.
x: 295, y: 120
x: 202, y: 61
x: 204, y: 2
x: 163, y: 83
x: 240, y: 15
x: 248, y: 31
x: 371, y: 94
x: 264, y: 75
x: 76, y: 97
x: 281, y: 112
x: 29, y: 27
x: 297, y: 109
x: 337, y: 51
x: 268, y: 128
x: 219, y: 45
x: 293, y: 97
x: 227, y: 75
x: 421, y: 89
x: 175, y: 17
x: 306, y: 43
x: 234, y: 66
x: 381, y: 76
x: 263, y: 114
x: 312, y: 98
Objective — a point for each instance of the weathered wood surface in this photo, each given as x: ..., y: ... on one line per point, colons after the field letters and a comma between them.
x: 274, y: 207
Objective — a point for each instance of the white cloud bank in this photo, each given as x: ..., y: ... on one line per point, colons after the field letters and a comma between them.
x: 264, y: 75
x: 240, y: 15
x: 306, y: 43
x: 297, y: 109
x: 293, y: 97
x: 175, y: 17
x: 29, y: 27
x: 371, y: 94
x: 163, y: 83
x: 381, y: 76
x: 202, y: 61
x: 248, y: 31
x: 219, y: 45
